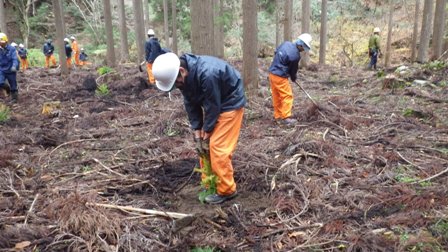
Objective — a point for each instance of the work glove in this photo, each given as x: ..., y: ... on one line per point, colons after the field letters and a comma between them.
x: 206, y: 145
x: 13, y: 69
x: 198, y: 145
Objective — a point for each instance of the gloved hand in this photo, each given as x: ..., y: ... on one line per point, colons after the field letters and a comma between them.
x: 206, y: 145
x: 198, y: 145
x: 13, y: 69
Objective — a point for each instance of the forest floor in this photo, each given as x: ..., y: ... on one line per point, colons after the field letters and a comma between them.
x: 365, y: 170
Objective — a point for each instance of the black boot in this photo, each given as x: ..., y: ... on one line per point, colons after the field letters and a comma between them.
x: 14, y: 96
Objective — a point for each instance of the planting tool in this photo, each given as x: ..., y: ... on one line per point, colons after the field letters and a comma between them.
x: 140, y: 66
x: 312, y: 100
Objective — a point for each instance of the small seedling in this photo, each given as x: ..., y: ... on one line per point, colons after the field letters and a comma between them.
x: 4, y: 113
x: 104, y: 70
x: 102, y: 90
x: 209, y: 182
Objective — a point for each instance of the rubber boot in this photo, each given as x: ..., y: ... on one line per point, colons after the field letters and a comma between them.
x: 14, y: 96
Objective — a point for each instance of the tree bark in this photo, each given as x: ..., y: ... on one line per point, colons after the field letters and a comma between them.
x: 109, y: 34
x: 425, y: 32
x: 439, y: 29
x: 3, y: 25
x: 306, y: 22
x: 146, y: 14
x: 277, y: 22
x: 323, y: 32
x: 219, y: 28
x: 60, y: 24
x: 124, y: 51
x: 415, y: 31
x: 202, y: 30
x: 139, y: 29
x: 166, y: 29
x: 250, y: 45
x: 389, y: 35
x: 287, y: 25
x: 174, y: 17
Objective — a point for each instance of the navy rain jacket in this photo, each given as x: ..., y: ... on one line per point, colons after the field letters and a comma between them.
x: 68, y: 50
x: 152, y: 49
x: 48, y: 49
x: 211, y: 88
x: 286, y: 61
x: 23, y: 53
x: 8, y: 59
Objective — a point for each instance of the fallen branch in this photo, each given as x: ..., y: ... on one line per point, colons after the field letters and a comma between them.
x: 318, y: 225
x: 141, y: 210
x: 31, y: 209
x: 432, y: 177
x: 107, y: 168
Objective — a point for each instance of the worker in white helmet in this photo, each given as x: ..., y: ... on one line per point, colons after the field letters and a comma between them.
x: 214, y: 99
x: 68, y: 52
x: 23, y: 56
x: 285, y: 65
x: 152, y: 51
x: 374, y: 48
x: 75, y: 49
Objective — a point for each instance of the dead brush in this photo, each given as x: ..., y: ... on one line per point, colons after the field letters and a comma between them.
x: 93, y: 225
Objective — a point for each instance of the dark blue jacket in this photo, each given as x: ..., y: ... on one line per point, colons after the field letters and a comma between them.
x: 68, y: 50
x: 83, y: 56
x: 286, y: 61
x: 23, y: 53
x: 152, y: 49
x: 211, y: 87
x: 48, y: 49
x: 8, y: 58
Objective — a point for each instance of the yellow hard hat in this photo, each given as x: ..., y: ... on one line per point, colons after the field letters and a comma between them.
x: 3, y: 38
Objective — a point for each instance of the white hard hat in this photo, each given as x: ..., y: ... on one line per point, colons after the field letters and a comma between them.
x: 21, y: 46
x: 376, y: 29
x: 66, y: 40
x: 306, y: 39
x: 151, y: 32
x: 82, y: 49
x: 14, y: 44
x: 72, y: 37
x: 165, y: 69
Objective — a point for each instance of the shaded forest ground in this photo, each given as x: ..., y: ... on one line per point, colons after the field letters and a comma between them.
x: 364, y: 171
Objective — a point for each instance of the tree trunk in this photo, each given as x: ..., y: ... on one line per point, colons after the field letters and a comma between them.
x: 202, y: 41
x: 389, y: 35
x: 415, y: 32
x: 439, y: 29
x: 277, y: 22
x: 323, y: 32
x: 59, y: 23
x: 146, y: 14
x: 306, y: 22
x: 3, y: 18
x: 165, y: 23
x: 124, y: 51
x: 287, y: 25
x: 425, y: 32
x: 250, y: 45
x: 174, y: 17
x: 139, y: 30
x: 219, y: 28
x: 109, y: 34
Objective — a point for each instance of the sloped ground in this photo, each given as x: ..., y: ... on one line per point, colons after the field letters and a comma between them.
x: 365, y: 170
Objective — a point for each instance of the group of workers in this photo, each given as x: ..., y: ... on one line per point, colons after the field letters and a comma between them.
x: 213, y: 92
x: 71, y: 51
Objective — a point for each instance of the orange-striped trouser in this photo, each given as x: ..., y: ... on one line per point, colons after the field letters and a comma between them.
x: 24, y: 63
x: 77, y: 63
x: 151, y: 78
x: 69, y: 62
x: 223, y: 141
x: 49, y: 59
x: 282, y: 98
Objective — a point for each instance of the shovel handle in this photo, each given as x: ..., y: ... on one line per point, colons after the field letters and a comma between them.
x: 312, y: 100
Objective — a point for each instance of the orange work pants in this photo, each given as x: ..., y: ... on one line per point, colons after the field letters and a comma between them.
x: 151, y: 78
x: 49, y: 59
x: 69, y: 62
x: 77, y: 62
x: 223, y: 141
x: 282, y: 98
x: 23, y: 63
